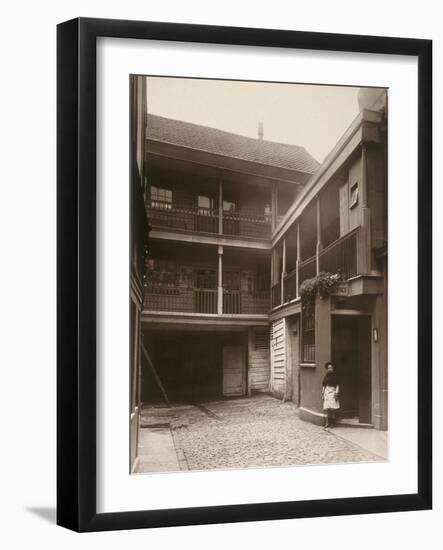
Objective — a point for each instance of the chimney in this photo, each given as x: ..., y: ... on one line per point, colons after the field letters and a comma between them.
x: 260, y: 131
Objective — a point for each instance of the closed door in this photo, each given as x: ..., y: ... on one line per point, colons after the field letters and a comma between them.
x: 233, y: 370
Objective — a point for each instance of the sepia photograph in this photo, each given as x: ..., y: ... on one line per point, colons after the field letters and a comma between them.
x: 258, y: 275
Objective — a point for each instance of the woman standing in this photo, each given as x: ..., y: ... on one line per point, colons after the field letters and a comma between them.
x: 330, y: 395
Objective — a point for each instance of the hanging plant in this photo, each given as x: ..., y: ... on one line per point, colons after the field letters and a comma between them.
x: 323, y: 284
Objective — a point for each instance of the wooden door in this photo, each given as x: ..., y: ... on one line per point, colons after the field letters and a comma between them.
x: 233, y: 370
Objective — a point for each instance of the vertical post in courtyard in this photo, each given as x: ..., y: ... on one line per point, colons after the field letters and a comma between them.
x: 283, y: 273
x: 220, y: 204
x: 220, y: 281
x: 319, y: 239
x: 297, y: 263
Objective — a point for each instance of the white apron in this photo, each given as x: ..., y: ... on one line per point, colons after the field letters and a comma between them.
x: 330, y: 401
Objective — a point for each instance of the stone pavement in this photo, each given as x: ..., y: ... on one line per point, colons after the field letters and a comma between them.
x: 251, y: 432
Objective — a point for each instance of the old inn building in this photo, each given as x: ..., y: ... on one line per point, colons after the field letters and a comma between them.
x: 239, y: 228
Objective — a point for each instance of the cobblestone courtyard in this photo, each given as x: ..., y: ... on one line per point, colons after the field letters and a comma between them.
x: 239, y: 433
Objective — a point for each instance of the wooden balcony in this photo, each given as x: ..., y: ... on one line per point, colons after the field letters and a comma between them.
x: 276, y: 295
x: 341, y: 256
x: 290, y: 286
x: 247, y: 224
x: 180, y: 299
x: 307, y: 269
x: 208, y: 220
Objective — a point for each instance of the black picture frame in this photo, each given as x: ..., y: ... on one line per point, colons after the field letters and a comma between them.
x: 76, y: 273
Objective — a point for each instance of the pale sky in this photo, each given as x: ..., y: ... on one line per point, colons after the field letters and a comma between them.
x: 314, y: 117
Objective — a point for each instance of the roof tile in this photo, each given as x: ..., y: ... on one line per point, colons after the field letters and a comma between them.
x: 212, y: 140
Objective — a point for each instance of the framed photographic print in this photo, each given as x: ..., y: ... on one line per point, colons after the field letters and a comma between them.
x: 231, y: 343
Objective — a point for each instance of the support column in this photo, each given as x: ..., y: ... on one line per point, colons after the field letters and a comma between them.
x: 364, y: 246
x: 319, y: 239
x: 298, y: 262
x: 272, y: 279
x: 274, y: 206
x: 220, y: 281
x: 220, y: 204
x: 283, y: 273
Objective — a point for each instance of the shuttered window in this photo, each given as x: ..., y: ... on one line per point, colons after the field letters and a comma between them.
x: 261, y: 339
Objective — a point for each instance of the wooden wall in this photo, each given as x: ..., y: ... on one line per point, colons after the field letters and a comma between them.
x: 278, y: 358
x: 258, y: 360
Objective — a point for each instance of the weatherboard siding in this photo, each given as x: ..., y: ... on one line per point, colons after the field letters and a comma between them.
x: 258, y: 364
x: 278, y: 358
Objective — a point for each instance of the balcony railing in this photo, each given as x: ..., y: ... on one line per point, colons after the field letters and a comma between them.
x: 276, y: 295
x: 290, y: 286
x: 248, y: 224
x: 255, y: 302
x: 206, y: 220
x: 188, y: 218
x: 341, y: 256
x: 181, y: 299
x: 205, y: 300
x: 338, y: 257
x: 308, y: 269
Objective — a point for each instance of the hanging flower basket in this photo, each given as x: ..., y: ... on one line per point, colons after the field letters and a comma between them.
x: 323, y: 284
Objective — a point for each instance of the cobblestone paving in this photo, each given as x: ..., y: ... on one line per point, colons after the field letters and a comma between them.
x: 251, y: 432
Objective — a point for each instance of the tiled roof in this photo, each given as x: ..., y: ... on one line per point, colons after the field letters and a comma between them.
x: 211, y: 140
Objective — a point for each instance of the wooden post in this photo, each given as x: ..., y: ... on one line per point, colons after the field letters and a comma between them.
x: 220, y: 281
x: 364, y: 245
x: 319, y: 240
x: 274, y: 207
x: 283, y: 273
x: 297, y: 264
x: 364, y: 177
x: 220, y: 204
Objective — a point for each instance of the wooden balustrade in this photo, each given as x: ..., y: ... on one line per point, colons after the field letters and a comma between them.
x: 276, y: 295
x: 188, y: 218
x: 168, y: 298
x: 308, y: 269
x: 248, y: 224
x: 290, y: 288
x: 255, y: 302
x: 205, y: 300
x: 231, y: 301
x: 192, y: 300
x: 206, y: 220
x: 341, y: 256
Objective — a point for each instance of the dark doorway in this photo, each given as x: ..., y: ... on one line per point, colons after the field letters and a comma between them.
x: 351, y: 354
x: 188, y: 363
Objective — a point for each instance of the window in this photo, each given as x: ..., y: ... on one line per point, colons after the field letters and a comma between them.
x: 231, y: 280
x: 308, y: 333
x: 161, y: 198
x: 353, y: 195
x: 228, y: 206
x: 206, y: 278
x: 205, y: 204
x: 161, y: 274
